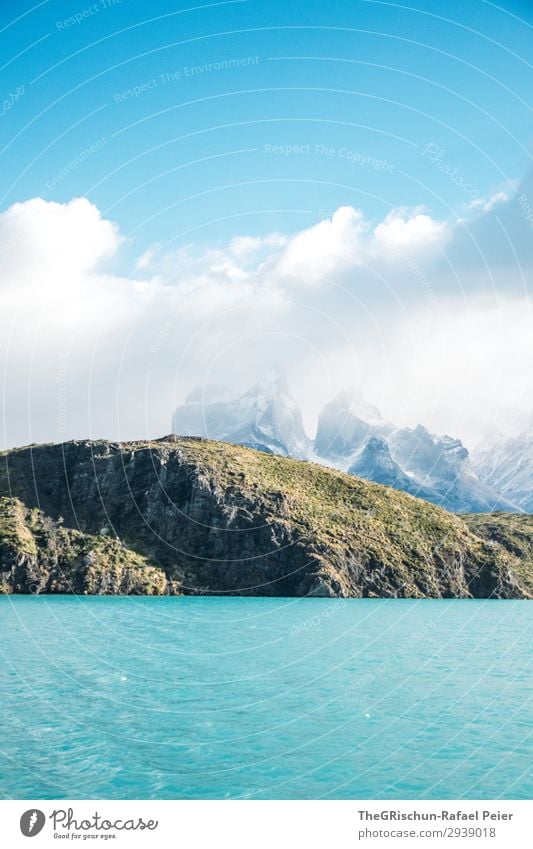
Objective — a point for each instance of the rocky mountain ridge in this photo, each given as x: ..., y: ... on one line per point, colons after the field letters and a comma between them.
x: 435, y: 468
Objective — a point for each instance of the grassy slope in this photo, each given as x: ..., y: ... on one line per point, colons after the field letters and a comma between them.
x: 339, y: 514
x: 514, y: 533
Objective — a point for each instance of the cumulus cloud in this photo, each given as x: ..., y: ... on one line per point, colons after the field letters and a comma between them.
x: 346, y: 241
x: 326, y: 252
x: 248, y: 247
x: 402, y: 230
x: 398, y: 305
x: 40, y: 238
x: 329, y: 246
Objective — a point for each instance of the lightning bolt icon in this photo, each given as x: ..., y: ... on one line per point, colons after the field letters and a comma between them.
x: 33, y: 820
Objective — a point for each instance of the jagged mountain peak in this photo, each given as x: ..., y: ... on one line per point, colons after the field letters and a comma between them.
x: 375, y: 463
x: 374, y: 457
x: 345, y: 424
x: 441, y: 467
x: 424, y: 454
x: 273, y: 385
x: 264, y: 417
x: 353, y: 403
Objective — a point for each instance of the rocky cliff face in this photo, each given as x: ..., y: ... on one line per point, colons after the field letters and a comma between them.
x: 204, y: 517
x: 38, y: 555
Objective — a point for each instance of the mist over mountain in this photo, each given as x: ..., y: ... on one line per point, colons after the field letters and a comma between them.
x: 506, y: 464
x: 353, y: 436
x: 345, y: 424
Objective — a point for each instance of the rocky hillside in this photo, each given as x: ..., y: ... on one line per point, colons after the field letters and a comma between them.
x: 195, y: 516
x: 38, y: 555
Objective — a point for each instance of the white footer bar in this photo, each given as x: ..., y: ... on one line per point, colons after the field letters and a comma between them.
x: 267, y: 824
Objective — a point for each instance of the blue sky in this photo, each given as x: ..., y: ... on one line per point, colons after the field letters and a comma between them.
x: 381, y: 80
x: 192, y: 192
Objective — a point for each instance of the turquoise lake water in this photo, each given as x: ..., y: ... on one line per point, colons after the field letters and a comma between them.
x: 265, y: 698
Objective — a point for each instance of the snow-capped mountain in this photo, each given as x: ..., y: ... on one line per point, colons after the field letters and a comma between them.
x: 441, y: 466
x: 352, y: 435
x: 265, y: 417
x: 345, y: 425
x: 374, y: 463
x: 506, y: 464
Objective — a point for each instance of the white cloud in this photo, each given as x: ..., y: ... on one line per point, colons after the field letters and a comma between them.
x: 145, y: 260
x: 42, y: 238
x: 410, y: 231
x: 464, y: 363
x: 486, y: 204
x: 123, y: 350
x: 246, y: 247
x: 327, y: 247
